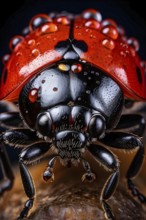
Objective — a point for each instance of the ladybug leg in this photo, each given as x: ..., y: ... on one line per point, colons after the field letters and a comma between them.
x: 10, y: 120
x: 19, y: 137
x: 126, y: 141
x: 7, y: 171
x: 28, y: 155
x: 89, y: 176
x: 110, y: 163
x: 133, y: 123
x: 48, y: 173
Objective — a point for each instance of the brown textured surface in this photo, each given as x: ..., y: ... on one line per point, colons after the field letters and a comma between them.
x: 67, y: 198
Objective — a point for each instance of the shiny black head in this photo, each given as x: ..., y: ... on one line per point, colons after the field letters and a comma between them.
x: 71, y: 95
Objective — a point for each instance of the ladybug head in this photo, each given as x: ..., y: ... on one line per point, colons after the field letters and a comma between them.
x: 71, y: 95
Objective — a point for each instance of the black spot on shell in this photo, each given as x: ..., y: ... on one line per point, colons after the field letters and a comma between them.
x: 80, y: 46
x: 139, y: 76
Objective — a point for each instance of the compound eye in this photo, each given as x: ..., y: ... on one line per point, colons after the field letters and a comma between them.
x: 43, y: 123
x: 97, y: 126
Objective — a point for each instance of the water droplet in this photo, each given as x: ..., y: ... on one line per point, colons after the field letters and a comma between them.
x: 63, y: 67
x: 92, y: 24
x: 133, y: 52
x: 39, y: 20
x: 35, y: 52
x: 18, y: 54
x: 110, y: 31
x: 25, y: 31
x: 121, y: 30
x: 76, y: 68
x: 124, y: 38
x: 53, y: 14
x: 15, y: 41
x: 92, y: 36
x: 48, y: 28
x: 89, y: 31
x: 108, y: 22
x: 127, y: 52
x: 6, y: 58
x: 133, y: 42
x: 63, y: 20
x: 109, y: 44
x: 45, y: 28
x: 124, y: 45
x: 31, y: 42
x: 33, y: 95
x: 122, y: 53
x: 92, y: 14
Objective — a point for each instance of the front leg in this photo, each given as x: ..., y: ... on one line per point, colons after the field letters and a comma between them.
x: 21, y: 137
x: 110, y: 163
x: 10, y: 120
x: 132, y: 123
x: 29, y: 155
x: 128, y: 142
x: 16, y: 138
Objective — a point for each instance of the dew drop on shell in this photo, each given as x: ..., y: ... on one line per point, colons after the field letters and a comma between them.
x: 48, y: 28
x: 31, y: 42
x: 6, y: 58
x: 92, y: 14
x: 33, y: 95
x: 109, y: 44
x: 18, y: 54
x: 110, y: 31
x: 63, y: 20
x: 35, y: 52
x: 121, y: 30
x: 76, y: 68
x: 108, y: 22
x: 15, y: 41
x: 133, y: 42
x: 92, y: 24
x: 38, y: 21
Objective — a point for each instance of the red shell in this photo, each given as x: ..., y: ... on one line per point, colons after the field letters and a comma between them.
x: 107, y: 49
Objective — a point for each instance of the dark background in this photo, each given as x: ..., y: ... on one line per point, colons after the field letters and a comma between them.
x: 15, y: 15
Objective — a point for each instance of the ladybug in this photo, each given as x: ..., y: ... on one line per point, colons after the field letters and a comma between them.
x: 72, y: 76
